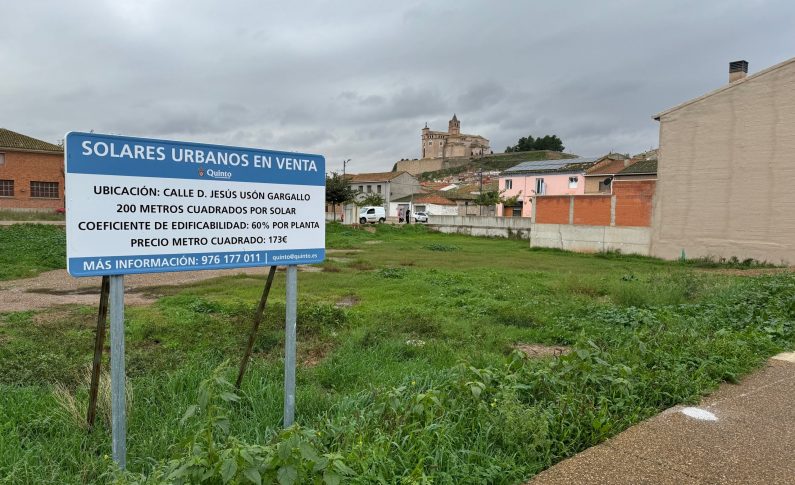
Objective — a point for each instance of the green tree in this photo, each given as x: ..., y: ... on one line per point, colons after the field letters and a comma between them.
x: 338, y: 191
x: 528, y: 143
x: 372, y: 198
x: 490, y: 197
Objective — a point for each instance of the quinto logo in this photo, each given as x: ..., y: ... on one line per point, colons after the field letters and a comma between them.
x: 219, y: 174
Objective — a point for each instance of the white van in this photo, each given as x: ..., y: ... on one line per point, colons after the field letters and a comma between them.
x: 371, y: 214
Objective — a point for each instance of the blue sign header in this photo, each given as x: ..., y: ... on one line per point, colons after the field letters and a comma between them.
x: 92, y: 153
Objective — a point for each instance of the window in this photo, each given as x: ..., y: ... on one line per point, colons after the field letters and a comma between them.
x: 361, y: 188
x: 369, y: 188
x: 573, y: 182
x: 44, y: 190
x: 540, y: 186
x: 378, y: 188
x: 508, y: 183
x: 6, y: 187
x: 2, y: 158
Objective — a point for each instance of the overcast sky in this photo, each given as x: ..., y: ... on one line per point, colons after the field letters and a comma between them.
x: 358, y: 79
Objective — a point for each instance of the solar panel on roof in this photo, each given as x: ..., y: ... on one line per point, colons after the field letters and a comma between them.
x: 541, y: 165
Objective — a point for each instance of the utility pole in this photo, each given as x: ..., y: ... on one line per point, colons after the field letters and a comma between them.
x: 481, y: 190
x: 344, y: 163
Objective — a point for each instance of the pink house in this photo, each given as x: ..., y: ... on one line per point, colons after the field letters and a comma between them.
x: 543, y: 177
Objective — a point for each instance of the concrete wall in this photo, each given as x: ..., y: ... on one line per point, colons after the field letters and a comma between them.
x: 726, y: 171
x: 482, y: 226
x: 589, y: 239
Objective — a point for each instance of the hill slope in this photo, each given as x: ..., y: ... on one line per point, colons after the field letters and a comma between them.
x: 497, y: 161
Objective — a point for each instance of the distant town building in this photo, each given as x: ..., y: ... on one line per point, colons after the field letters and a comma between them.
x: 31, y: 173
x: 389, y: 185
x: 452, y: 143
x: 598, y: 178
x: 542, y: 177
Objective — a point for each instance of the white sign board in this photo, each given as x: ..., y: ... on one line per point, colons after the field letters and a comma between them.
x: 136, y: 205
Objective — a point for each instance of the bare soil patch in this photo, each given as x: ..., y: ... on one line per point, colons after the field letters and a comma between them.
x: 57, y: 287
x: 315, y: 355
x: 347, y: 301
x: 537, y: 350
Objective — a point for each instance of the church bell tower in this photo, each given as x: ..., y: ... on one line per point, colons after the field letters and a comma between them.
x: 454, y: 127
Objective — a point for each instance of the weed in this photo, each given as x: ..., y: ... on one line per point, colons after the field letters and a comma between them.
x: 393, y: 273
x: 73, y: 403
x: 441, y: 247
x: 721, y: 262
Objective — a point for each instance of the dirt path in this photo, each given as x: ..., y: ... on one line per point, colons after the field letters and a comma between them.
x: 58, y: 288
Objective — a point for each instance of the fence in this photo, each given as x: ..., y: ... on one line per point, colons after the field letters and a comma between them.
x: 630, y: 204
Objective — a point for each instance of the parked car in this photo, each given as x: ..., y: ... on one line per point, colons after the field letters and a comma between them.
x: 420, y: 217
x: 371, y: 214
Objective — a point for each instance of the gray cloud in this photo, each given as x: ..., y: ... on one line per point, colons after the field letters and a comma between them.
x: 359, y: 79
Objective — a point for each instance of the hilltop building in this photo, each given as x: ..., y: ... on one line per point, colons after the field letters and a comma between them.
x: 452, y: 143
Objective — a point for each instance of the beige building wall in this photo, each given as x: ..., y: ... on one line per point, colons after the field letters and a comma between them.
x: 726, y: 174
x: 592, y: 184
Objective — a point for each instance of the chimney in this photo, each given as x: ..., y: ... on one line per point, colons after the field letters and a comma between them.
x: 737, y: 70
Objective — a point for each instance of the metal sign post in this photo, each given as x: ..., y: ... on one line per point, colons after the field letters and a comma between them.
x: 117, y: 375
x: 289, y: 345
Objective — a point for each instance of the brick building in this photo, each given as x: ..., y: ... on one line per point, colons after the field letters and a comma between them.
x: 31, y: 173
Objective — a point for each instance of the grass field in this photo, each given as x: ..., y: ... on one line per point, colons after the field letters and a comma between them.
x: 7, y: 215
x: 407, y: 369
x: 28, y: 249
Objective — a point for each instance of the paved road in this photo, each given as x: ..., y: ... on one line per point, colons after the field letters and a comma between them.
x: 740, y: 434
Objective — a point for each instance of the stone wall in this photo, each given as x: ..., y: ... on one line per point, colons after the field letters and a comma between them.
x: 416, y: 167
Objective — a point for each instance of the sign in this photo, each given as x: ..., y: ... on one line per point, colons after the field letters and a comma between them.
x: 136, y: 205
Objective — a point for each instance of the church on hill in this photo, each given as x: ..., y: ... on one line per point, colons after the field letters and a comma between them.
x: 452, y: 143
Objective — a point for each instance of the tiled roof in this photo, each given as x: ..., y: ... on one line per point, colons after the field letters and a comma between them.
x: 641, y: 167
x: 373, y: 177
x: 609, y: 167
x: 466, y: 192
x: 11, y: 140
x: 552, y: 166
x: 433, y: 198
